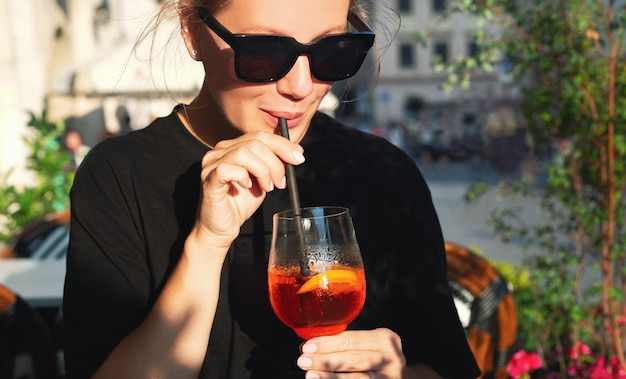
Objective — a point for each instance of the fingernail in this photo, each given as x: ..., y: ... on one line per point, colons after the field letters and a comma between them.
x: 309, y: 348
x: 312, y: 375
x: 283, y: 182
x: 298, y: 156
x: 304, y: 362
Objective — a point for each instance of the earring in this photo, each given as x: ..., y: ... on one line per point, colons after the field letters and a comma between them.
x: 194, y: 53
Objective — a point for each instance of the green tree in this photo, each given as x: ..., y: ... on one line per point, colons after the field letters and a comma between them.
x: 49, y: 193
x: 568, y: 59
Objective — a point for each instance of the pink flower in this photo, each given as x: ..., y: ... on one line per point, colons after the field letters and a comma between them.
x: 579, y: 348
x: 600, y: 371
x: 584, y: 349
x: 618, y: 372
x: 523, y: 363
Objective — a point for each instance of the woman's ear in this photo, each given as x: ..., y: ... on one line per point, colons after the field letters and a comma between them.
x: 189, y: 23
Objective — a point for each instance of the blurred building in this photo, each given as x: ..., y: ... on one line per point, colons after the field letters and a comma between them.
x: 110, y: 86
x: 76, y: 58
x: 30, y: 33
x: 410, y: 91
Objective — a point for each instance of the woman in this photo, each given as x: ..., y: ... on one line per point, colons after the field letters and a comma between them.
x: 166, y: 272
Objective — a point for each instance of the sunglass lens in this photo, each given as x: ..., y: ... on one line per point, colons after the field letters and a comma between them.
x: 337, y: 59
x: 263, y: 60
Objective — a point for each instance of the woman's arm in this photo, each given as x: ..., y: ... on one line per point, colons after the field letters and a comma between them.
x: 172, y: 340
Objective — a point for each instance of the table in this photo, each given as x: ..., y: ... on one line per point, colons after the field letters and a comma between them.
x: 38, y: 282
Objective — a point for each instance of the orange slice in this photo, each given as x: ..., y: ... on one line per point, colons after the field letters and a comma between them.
x: 337, y: 277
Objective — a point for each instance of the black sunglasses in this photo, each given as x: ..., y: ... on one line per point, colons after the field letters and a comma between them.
x: 267, y: 58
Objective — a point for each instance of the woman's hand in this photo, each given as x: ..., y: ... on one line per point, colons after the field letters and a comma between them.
x: 365, y: 354
x: 235, y: 176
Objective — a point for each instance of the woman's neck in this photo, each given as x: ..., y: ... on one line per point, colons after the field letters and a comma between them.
x: 205, y: 121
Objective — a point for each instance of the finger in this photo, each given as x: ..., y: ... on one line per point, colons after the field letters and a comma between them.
x: 258, y: 161
x: 378, y: 350
x: 341, y: 375
x: 287, y: 151
x: 221, y: 178
x: 351, y: 361
x: 376, y: 339
x: 222, y: 209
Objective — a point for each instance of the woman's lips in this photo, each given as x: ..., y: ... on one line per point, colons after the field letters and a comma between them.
x: 293, y: 119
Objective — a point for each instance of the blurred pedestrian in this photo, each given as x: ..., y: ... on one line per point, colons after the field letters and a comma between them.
x: 76, y: 148
x: 123, y: 118
x: 396, y: 134
x: 426, y: 138
x: 505, y: 142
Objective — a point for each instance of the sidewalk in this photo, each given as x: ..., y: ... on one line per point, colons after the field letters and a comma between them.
x: 466, y: 223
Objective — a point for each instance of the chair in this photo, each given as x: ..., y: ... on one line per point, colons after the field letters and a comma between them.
x: 486, y: 303
x: 45, y: 238
x: 23, y: 330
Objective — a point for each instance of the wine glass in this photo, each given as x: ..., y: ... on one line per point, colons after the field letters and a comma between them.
x: 316, y: 278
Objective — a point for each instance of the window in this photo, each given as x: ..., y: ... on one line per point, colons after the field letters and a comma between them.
x: 407, y: 58
x: 440, y: 49
x: 439, y: 6
x: 472, y: 49
x: 404, y: 6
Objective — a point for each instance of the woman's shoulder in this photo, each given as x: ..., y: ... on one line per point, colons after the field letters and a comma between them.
x: 162, y: 138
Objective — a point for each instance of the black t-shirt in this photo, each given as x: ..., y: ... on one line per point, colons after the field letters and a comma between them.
x: 133, y: 204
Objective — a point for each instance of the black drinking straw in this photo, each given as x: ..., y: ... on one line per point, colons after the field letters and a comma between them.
x: 292, y: 187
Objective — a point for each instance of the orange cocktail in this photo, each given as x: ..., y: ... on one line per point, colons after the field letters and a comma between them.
x: 317, y: 305
x: 316, y: 278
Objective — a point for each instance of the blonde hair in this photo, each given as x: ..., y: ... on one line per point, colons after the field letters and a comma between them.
x: 168, y: 15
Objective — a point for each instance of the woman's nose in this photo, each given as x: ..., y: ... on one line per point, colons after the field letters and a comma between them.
x: 298, y: 83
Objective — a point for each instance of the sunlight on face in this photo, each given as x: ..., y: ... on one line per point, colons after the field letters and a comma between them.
x: 252, y: 106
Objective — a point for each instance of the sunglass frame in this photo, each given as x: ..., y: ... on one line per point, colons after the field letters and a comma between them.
x: 364, y: 35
